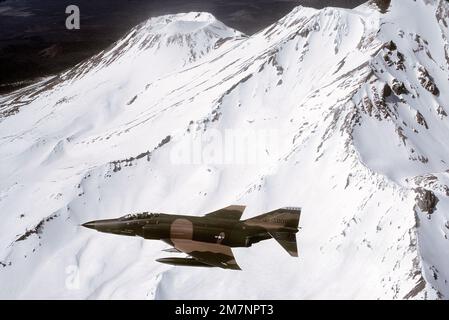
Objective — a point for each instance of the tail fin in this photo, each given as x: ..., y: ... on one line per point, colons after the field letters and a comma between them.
x: 280, y: 218
x: 282, y: 225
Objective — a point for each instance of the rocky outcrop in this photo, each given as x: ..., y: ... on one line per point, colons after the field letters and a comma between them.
x: 426, y: 200
x: 427, y: 81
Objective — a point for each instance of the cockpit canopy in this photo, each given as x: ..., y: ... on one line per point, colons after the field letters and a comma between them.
x: 137, y: 216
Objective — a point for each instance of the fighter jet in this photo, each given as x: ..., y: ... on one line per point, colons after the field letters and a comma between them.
x: 208, y: 240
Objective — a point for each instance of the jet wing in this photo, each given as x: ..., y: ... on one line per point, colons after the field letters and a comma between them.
x: 232, y: 212
x: 213, y: 254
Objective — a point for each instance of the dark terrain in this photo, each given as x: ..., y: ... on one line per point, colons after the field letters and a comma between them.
x: 35, y: 43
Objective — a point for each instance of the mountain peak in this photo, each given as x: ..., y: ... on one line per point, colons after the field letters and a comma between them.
x: 182, y: 23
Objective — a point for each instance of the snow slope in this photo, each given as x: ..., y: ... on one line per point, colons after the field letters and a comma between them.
x: 341, y: 112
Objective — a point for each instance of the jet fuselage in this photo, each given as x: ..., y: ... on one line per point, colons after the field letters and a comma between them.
x: 208, y: 239
x: 159, y: 226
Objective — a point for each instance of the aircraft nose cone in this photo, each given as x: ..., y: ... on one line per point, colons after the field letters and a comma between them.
x: 107, y: 226
x: 90, y: 225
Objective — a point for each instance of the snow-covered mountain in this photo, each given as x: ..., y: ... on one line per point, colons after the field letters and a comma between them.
x: 341, y: 112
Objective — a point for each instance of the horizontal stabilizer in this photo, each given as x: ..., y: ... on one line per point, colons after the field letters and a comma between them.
x: 287, y: 240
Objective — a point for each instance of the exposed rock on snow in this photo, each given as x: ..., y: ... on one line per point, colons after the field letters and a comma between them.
x: 426, y: 200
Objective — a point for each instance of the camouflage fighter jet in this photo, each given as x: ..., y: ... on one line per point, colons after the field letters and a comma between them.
x: 208, y: 239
